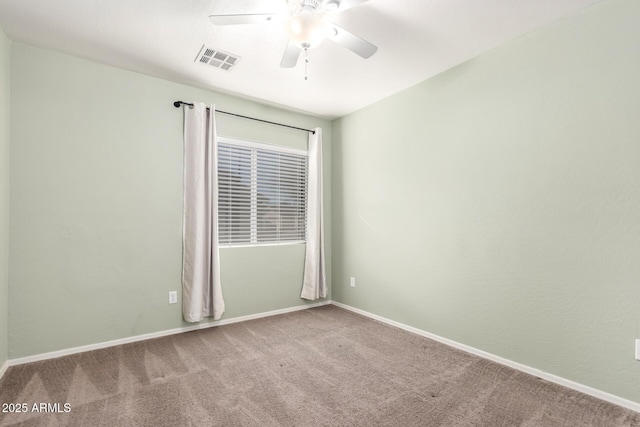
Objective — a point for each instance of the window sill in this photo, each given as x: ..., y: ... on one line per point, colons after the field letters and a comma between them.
x: 259, y: 245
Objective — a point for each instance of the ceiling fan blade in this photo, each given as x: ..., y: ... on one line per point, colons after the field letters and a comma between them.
x: 343, y: 5
x: 260, y: 18
x: 291, y: 55
x: 352, y: 42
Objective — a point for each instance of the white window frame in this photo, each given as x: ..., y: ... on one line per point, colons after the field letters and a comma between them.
x: 254, y: 188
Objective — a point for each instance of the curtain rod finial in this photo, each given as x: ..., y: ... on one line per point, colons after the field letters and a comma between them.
x: 177, y: 104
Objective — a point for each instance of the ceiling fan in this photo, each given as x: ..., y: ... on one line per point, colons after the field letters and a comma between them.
x: 307, y: 23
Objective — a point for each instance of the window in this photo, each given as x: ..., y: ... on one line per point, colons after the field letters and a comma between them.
x: 262, y: 193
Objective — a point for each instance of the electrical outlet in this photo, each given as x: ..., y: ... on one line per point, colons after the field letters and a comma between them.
x: 637, y: 349
x: 173, y: 297
x: 352, y: 282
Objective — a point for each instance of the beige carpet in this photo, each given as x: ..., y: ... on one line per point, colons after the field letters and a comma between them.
x: 319, y: 367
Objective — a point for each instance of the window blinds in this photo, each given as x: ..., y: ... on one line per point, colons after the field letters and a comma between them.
x: 262, y: 194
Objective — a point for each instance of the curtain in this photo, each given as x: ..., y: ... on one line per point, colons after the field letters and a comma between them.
x: 201, y: 288
x: 314, y: 284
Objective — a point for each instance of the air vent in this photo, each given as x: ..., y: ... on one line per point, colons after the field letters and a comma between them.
x: 217, y: 58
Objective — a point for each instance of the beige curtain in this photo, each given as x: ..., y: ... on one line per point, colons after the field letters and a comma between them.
x: 201, y: 288
x: 314, y: 284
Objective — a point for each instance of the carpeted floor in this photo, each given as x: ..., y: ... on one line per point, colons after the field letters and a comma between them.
x: 319, y: 367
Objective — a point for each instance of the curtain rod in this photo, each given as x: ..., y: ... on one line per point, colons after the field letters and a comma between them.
x: 177, y: 104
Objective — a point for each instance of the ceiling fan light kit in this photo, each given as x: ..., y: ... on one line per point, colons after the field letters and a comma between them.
x: 332, y: 5
x: 306, y: 27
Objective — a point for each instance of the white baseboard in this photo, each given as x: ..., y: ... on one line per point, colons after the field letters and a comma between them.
x: 97, y: 346
x: 616, y: 400
x: 4, y: 368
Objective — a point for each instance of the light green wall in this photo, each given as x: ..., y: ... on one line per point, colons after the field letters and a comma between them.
x: 5, y: 71
x: 96, y: 200
x: 498, y: 203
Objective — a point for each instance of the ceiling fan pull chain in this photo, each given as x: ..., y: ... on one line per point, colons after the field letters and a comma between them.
x: 306, y: 63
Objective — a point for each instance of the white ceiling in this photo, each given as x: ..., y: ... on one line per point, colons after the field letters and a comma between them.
x: 416, y: 38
